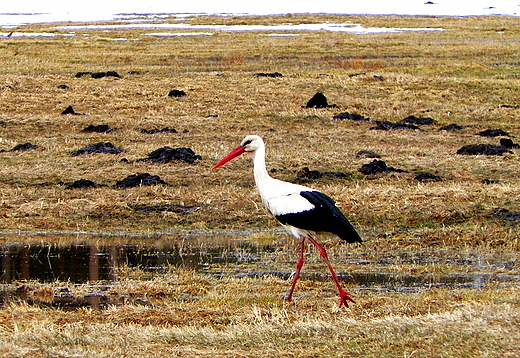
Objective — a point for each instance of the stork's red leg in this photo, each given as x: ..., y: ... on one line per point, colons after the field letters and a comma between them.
x: 344, y: 296
x: 299, y: 266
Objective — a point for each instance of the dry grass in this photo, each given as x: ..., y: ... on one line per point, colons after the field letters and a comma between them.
x: 463, y: 76
x: 192, y: 314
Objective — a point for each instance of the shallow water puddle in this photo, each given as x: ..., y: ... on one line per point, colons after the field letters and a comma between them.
x: 87, y: 262
x: 94, y: 266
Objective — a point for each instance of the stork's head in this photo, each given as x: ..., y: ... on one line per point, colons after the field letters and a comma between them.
x: 249, y: 144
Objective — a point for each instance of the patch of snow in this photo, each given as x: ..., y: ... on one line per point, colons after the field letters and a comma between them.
x: 178, y: 34
x: 347, y: 28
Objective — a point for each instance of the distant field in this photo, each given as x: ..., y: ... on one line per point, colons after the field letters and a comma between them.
x: 467, y: 75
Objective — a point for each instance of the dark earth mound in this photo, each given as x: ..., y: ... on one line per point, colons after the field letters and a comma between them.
x: 178, y: 209
x: 451, y: 127
x: 271, y: 74
x: 505, y: 214
x: 24, y: 147
x: 305, y: 175
x: 100, y: 128
x: 508, y: 143
x: 21, y: 148
x: 418, y: 120
x: 106, y: 74
x: 378, y: 167
x: 425, y: 177
x: 493, y: 133
x: 319, y: 101
x: 167, y: 154
x: 81, y: 184
x: 70, y: 110
x: 98, y: 74
x: 176, y: 93
x: 136, y: 180
x: 491, y: 181
x: 102, y: 147
x: 81, y: 74
x: 367, y: 154
x: 483, y: 149
x: 350, y: 116
x: 155, y: 130
x: 384, y: 125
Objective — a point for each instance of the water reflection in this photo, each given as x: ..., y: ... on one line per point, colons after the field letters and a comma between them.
x: 79, y: 263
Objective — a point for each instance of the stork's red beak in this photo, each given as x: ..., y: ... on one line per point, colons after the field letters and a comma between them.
x: 235, y: 153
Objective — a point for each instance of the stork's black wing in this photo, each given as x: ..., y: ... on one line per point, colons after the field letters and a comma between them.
x: 324, y: 217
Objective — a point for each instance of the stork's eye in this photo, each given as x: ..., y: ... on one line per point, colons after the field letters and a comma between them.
x: 247, y: 142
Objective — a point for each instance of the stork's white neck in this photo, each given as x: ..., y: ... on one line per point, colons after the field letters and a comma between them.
x: 260, y: 170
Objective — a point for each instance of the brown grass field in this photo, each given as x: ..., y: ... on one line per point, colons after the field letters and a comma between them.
x: 468, y: 75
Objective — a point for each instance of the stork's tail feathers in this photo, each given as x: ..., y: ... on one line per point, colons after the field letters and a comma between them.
x: 326, y: 207
x: 349, y: 234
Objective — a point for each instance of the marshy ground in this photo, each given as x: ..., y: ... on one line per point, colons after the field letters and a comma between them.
x: 431, y: 117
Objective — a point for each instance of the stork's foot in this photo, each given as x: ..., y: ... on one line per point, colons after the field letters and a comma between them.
x: 344, y: 298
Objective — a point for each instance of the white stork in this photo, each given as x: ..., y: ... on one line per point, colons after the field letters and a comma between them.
x: 301, y: 210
